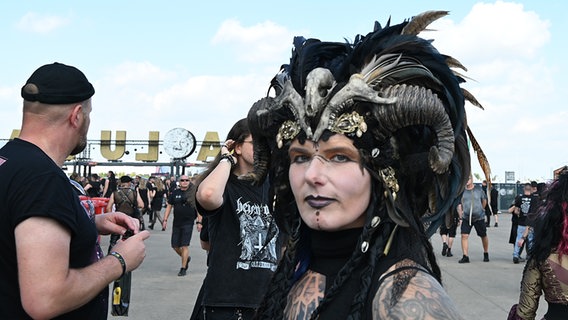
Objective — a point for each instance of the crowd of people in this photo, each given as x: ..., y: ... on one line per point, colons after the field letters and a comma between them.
x: 319, y: 205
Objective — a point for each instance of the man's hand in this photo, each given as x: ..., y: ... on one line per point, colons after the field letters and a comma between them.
x: 521, y: 241
x: 116, y: 222
x: 133, y: 250
x: 164, y: 224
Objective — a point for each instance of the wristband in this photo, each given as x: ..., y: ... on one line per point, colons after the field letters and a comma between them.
x: 121, y: 260
x: 229, y: 158
x: 198, y: 222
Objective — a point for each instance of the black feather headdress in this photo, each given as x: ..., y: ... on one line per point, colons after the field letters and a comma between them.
x: 391, y: 92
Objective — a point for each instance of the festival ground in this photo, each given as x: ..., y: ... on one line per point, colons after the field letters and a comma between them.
x: 481, y: 290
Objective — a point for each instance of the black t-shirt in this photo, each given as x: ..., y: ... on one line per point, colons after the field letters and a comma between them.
x: 144, y: 196
x: 244, y: 252
x: 527, y: 204
x: 158, y: 199
x: 95, y: 189
x: 34, y: 186
x: 112, y: 187
x: 184, y: 211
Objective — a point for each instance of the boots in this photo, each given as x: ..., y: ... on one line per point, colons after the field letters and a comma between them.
x: 449, y: 253
x: 444, y: 249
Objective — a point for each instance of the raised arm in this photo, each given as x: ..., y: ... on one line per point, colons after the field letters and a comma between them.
x: 210, y: 191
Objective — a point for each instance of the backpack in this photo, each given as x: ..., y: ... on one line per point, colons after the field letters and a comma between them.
x: 125, y: 203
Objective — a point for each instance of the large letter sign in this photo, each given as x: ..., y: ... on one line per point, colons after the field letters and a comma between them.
x: 210, y: 146
x: 119, y: 145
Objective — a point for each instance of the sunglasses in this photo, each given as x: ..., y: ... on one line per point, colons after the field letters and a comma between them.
x: 183, y: 180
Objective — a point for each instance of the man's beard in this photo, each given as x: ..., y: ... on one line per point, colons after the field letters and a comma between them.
x: 81, y: 145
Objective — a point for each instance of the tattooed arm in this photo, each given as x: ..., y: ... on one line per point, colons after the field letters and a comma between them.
x: 412, y: 294
x: 305, y: 296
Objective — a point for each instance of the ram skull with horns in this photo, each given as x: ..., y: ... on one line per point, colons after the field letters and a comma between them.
x: 372, y: 90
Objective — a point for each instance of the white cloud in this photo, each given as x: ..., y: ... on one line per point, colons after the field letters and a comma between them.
x: 41, y: 23
x: 503, y: 46
x: 258, y: 43
x: 156, y: 99
x: 493, y: 31
x: 138, y: 73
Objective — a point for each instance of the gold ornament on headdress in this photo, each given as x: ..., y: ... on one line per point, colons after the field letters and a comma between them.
x: 349, y: 123
x: 389, y: 178
x: 288, y: 131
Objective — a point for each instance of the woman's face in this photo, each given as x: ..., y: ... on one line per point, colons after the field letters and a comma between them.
x: 331, y: 189
x: 246, y: 151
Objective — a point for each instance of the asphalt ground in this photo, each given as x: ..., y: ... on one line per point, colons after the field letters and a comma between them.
x: 481, y: 290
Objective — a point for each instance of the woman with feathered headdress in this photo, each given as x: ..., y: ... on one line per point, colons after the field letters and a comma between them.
x: 365, y: 146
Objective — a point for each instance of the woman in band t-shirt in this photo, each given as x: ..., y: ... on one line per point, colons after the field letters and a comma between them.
x: 242, y: 233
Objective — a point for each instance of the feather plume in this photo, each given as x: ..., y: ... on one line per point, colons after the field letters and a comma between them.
x: 454, y: 63
x: 483, y: 162
x: 421, y: 21
x: 469, y: 97
x: 459, y: 75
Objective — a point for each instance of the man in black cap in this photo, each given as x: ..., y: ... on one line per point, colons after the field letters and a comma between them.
x: 51, y: 265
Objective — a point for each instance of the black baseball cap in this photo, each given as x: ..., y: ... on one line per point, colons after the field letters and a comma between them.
x: 57, y: 83
x: 125, y: 179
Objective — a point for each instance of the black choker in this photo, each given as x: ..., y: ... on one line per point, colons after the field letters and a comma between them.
x: 331, y: 250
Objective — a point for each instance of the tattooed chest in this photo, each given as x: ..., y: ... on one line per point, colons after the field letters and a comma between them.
x: 305, y: 296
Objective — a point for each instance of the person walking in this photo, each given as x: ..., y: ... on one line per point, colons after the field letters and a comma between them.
x: 182, y: 201
x: 144, y: 194
x: 127, y: 200
x: 51, y: 264
x: 157, y: 193
x: 110, y: 185
x: 471, y: 212
x: 492, y: 207
x: 525, y: 204
x: 547, y: 268
x: 448, y: 234
x: 242, y: 231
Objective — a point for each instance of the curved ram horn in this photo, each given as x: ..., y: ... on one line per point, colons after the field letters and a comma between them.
x: 259, y: 120
x: 261, y: 126
x: 418, y: 106
x: 355, y: 90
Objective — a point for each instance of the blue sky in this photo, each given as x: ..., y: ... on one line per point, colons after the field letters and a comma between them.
x: 160, y: 65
